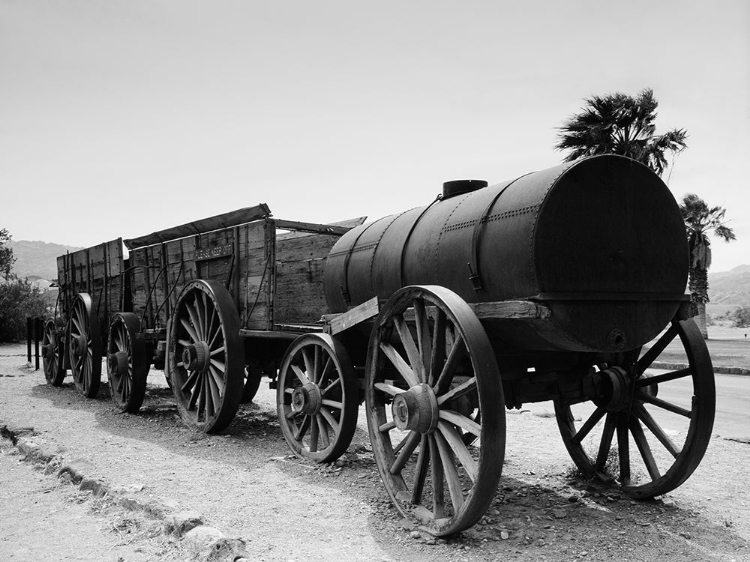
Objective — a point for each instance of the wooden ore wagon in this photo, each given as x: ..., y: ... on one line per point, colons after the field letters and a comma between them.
x: 564, y: 285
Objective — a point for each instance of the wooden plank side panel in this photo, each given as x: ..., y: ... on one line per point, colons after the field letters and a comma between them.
x: 300, y: 264
x: 255, y: 268
x: 138, y: 280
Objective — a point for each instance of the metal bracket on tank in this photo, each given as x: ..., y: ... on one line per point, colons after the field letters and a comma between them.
x: 474, y: 276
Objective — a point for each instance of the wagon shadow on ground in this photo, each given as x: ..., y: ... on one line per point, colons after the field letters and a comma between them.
x: 536, y: 514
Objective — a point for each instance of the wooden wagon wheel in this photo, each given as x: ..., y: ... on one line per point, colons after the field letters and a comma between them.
x: 53, y: 351
x: 127, y: 365
x: 430, y: 367
x: 85, y: 346
x: 253, y: 376
x: 317, y: 397
x: 206, y: 356
x: 678, y: 420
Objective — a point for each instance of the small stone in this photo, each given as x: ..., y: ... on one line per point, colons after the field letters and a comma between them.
x: 559, y: 513
x: 504, y: 535
x: 415, y: 535
x: 573, y: 498
x: 541, y: 542
x: 182, y: 522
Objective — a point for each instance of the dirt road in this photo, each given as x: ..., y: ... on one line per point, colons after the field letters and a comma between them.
x: 244, y: 483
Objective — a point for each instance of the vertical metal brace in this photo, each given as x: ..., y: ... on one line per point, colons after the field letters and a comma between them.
x: 474, y: 272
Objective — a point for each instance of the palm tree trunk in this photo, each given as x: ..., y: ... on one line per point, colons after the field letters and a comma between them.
x: 698, y: 285
x: 700, y: 319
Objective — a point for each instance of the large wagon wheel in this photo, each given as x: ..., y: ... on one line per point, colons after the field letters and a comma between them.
x: 317, y: 397
x: 53, y: 351
x: 85, y: 346
x: 676, y: 407
x: 206, y: 356
x: 430, y: 367
x: 127, y: 365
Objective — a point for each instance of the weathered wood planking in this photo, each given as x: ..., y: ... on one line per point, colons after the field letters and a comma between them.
x: 96, y: 271
x: 161, y: 271
x: 300, y: 263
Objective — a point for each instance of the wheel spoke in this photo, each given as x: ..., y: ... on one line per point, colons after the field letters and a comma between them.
x: 590, y: 423
x: 623, y: 449
x: 412, y: 353
x: 404, y: 451
x: 424, y: 339
x: 326, y: 372
x: 314, y: 431
x: 196, y: 391
x: 309, y: 365
x: 640, y: 411
x: 420, y: 471
x: 217, y: 351
x: 197, y: 326
x: 302, y: 429
x: 438, y: 480
x: 656, y: 349
x: 643, y: 447
x: 674, y: 375
x: 317, y: 364
x: 467, y: 424
x: 464, y: 456
x: 388, y: 388
x: 221, y: 367
x: 401, y: 366
x: 215, y: 393
x: 459, y: 391
x: 300, y: 375
x: 605, y: 443
x: 322, y: 432
x: 457, y: 352
x: 451, y: 474
x: 189, y: 382
x: 190, y: 330
x: 387, y: 426
x: 331, y: 420
x: 336, y: 382
x: 658, y: 402
x: 332, y: 404
x: 437, y: 358
x: 217, y: 376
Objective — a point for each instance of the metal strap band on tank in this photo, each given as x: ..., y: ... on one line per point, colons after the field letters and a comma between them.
x: 345, y: 284
x: 408, y: 236
x: 474, y: 277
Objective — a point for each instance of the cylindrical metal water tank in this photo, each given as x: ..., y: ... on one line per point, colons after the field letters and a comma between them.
x: 600, y: 241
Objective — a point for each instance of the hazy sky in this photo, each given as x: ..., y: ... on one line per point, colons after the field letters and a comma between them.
x: 122, y: 117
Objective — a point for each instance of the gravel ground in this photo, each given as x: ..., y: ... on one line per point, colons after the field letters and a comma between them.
x: 269, y: 506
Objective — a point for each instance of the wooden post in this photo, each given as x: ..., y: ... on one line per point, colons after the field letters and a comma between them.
x: 37, y: 337
x: 29, y: 330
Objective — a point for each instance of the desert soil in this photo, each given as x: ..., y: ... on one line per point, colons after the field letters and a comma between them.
x: 245, y: 483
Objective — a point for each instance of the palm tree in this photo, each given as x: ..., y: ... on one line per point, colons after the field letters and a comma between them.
x: 700, y: 220
x: 620, y: 124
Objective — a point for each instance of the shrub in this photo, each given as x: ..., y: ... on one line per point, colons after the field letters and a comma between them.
x: 742, y: 317
x: 19, y: 299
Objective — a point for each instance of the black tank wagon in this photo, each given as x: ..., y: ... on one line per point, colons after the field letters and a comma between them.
x: 564, y: 285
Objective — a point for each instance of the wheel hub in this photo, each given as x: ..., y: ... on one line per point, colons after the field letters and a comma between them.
x: 48, y: 351
x: 307, y: 399
x: 79, y: 345
x: 615, y: 389
x: 118, y: 363
x: 416, y: 409
x: 196, y: 357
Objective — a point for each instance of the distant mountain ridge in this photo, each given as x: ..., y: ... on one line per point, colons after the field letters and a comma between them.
x: 730, y: 287
x: 36, y: 259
